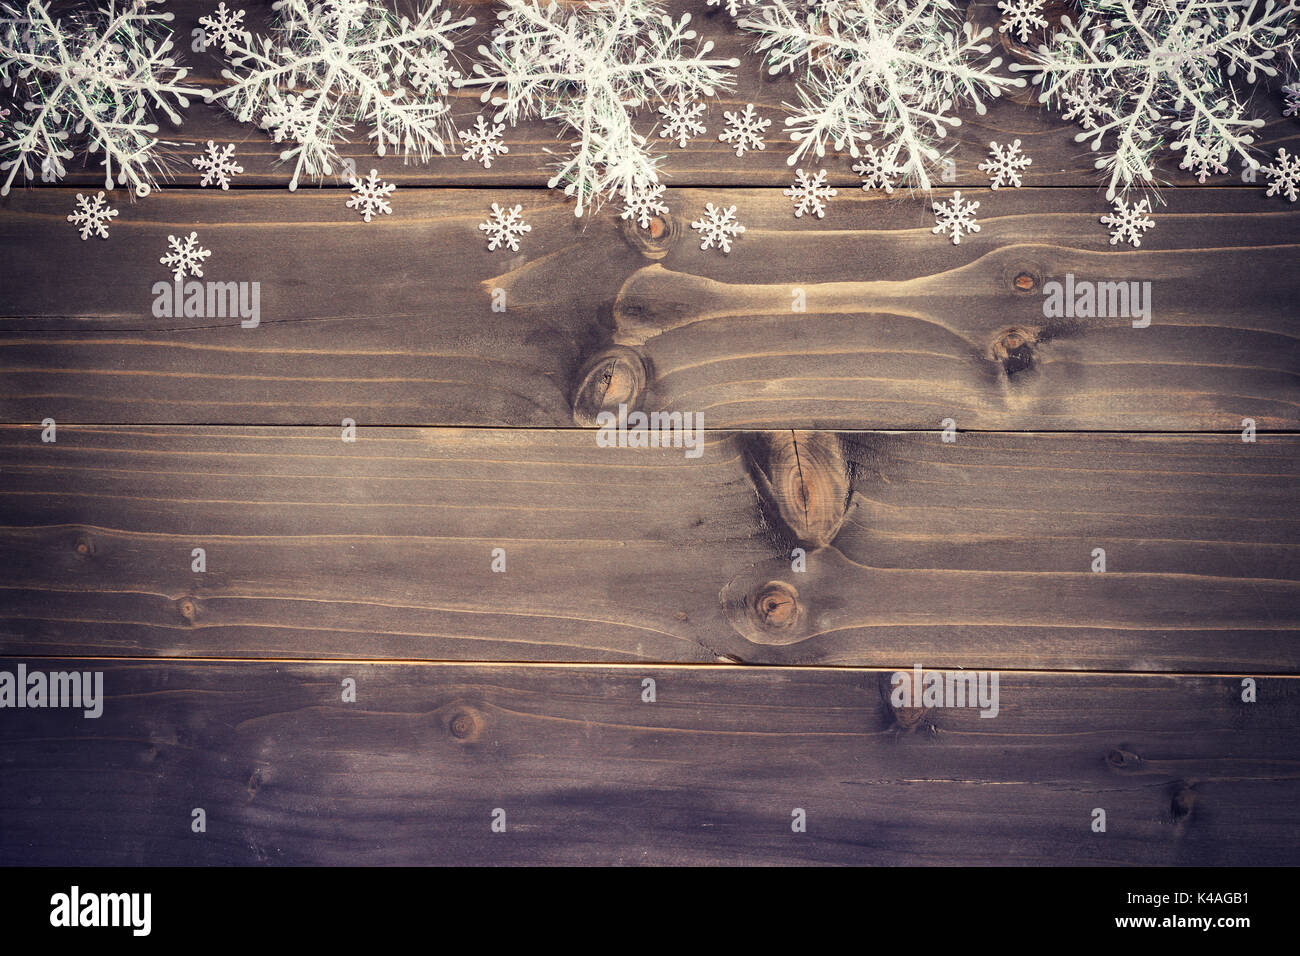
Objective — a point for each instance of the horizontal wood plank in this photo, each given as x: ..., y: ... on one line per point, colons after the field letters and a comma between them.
x: 535, y: 145
x: 978, y: 553
x: 586, y: 772
x: 393, y: 322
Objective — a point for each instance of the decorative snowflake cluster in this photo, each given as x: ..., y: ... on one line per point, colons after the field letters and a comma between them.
x: 810, y: 193
x: 217, y: 165
x: 371, y: 195
x: 97, y: 76
x: 955, y: 218
x: 1005, y: 164
x: 483, y: 142
x: 186, y: 257
x: 92, y: 216
x: 897, y: 70
x: 744, y: 130
x: 1140, y: 75
x: 592, y: 67
x: 329, y: 66
x: 505, y: 227
x: 1128, y: 223
x: 717, y: 227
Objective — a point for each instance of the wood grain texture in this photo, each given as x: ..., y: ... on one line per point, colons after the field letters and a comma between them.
x: 972, y: 554
x: 391, y: 322
x: 588, y: 773
x: 534, y: 145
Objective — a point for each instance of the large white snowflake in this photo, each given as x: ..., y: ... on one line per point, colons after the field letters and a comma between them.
x: 879, y: 170
x: 92, y: 215
x: 1021, y: 17
x: 645, y: 203
x: 1142, y: 75
x: 681, y: 119
x: 217, y: 165
x: 224, y: 28
x: 717, y: 227
x: 186, y: 257
x: 329, y: 66
x: 483, y: 142
x: 865, y: 69
x: 1128, y: 223
x: 955, y: 218
x: 1285, y: 175
x: 744, y: 130
x: 592, y: 66
x: 371, y: 196
x: 91, y: 77
x: 1005, y: 164
x: 505, y: 227
x: 810, y: 193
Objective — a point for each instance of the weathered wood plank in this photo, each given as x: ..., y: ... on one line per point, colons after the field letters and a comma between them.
x: 1058, y: 159
x: 586, y: 772
x: 392, y: 322
x: 974, y: 554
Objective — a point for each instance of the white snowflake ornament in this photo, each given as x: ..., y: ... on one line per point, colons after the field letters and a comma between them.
x: 1005, y: 164
x: 732, y: 7
x: 810, y: 193
x: 955, y: 218
x: 1021, y: 17
x: 681, y: 120
x: 878, y: 170
x: 483, y: 142
x: 1285, y: 174
x: 505, y: 227
x: 1291, y: 100
x: 224, y: 28
x: 744, y: 130
x: 92, y: 215
x: 645, y: 203
x: 217, y: 165
x: 186, y: 257
x: 718, y: 227
x: 1202, y: 163
x: 371, y: 196
x: 1128, y: 223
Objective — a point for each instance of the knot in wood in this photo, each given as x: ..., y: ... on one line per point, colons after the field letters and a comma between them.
x: 652, y: 240
x: 1014, y: 348
x: 1123, y: 760
x: 462, y: 725
x: 776, y: 605
x: 802, y: 477
x: 188, y: 608
x: 614, y: 376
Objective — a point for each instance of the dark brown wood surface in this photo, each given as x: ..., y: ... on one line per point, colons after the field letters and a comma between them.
x: 586, y: 772
x: 1120, y: 690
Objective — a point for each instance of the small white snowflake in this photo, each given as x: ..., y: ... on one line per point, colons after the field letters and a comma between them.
x: 878, y: 170
x: 371, y: 195
x: 1021, y: 16
x: 432, y: 72
x: 682, y: 118
x: 1285, y: 175
x: 186, y: 257
x: 483, y: 142
x: 718, y: 227
x: 645, y: 202
x: 1005, y: 164
x: 505, y: 227
x: 1127, y: 223
x: 92, y: 215
x: 288, y: 117
x: 810, y: 193
x: 1291, y: 106
x: 732, y: 6
x: 224, y: 28
x: 1203, y: 163
x: 1086, y: 104
x: 217, y: 165
x: 744, y: 130
x: 955, y: 218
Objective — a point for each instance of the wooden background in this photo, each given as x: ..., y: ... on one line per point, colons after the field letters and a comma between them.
x: 522, y: 691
